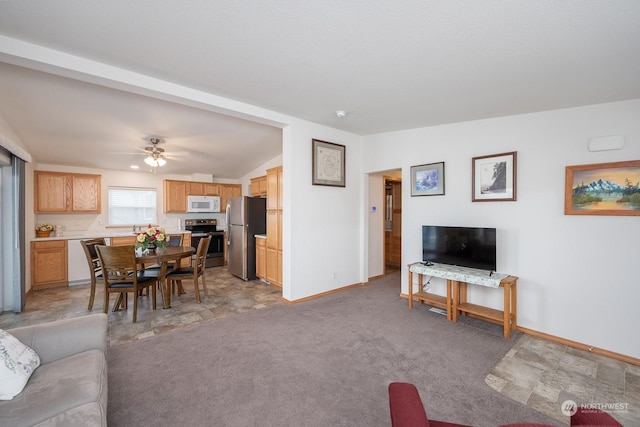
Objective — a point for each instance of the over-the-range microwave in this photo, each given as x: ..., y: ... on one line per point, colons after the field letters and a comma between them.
x: 203, y: 203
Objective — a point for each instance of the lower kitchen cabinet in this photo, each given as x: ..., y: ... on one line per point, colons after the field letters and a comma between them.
x: 261, y: 258
x: 49, y: 264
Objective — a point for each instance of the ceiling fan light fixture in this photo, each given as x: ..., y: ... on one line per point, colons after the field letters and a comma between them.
x: 155, y: 161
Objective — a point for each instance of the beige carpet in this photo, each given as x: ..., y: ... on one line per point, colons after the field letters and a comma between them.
x: 325, y: 362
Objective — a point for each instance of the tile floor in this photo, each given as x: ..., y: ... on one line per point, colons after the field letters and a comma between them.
x: 543, y: 375
x: 535, y: 372
x: 227, y: 295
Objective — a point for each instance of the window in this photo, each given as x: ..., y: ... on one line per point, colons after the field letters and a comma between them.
x: 131, y: 206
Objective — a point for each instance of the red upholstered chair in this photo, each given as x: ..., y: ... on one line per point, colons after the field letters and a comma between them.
x: 593, y: 417
x: 407, y: 410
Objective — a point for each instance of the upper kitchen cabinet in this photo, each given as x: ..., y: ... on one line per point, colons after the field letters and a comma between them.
x: 203, y: 189
x: 175, y: 196
x: 59, y: 192
x: 228, y: 191
x: 176, y: 192
x: 259, y: 186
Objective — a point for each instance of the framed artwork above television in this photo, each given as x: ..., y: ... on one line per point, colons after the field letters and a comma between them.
x: 427, y: 180
x: 494, y: 177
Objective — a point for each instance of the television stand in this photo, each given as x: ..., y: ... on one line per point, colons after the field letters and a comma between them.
x: 457, y: 280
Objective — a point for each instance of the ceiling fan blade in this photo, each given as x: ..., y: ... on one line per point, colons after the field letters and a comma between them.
x: 177, y: 153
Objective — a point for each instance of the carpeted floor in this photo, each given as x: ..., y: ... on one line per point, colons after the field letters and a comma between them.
x: 325, y: 362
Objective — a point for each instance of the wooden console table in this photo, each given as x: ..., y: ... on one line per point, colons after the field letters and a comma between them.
x: 457, y: 280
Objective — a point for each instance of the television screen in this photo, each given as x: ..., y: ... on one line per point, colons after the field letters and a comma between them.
x: 462, y: 246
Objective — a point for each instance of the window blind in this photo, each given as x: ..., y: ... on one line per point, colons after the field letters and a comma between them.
x: 131, y: 206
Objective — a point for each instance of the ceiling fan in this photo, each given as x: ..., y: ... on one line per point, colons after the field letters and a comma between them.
x: 156, y: 156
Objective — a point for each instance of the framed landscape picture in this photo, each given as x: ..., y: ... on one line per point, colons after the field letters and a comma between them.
x: 493, y: 177
x: 427, y: 180
x: 328, y: 166
x: 603, y: 189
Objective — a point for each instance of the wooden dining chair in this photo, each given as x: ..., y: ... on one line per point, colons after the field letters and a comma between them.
x: 122, y: 275
x: 95, y: 268
x: 196, y: 271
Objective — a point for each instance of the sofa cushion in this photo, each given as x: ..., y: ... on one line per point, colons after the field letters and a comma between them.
x: 17, y: 363
x: 64, y: 390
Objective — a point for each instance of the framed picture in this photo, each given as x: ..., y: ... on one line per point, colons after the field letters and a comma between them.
x: 427, y: 180
x: 493, y: 177
x: 328, y: 163
x: 603, y: 189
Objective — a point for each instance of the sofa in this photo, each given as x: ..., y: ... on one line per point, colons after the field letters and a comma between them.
x: 407, y: 410
x: 69, y: 388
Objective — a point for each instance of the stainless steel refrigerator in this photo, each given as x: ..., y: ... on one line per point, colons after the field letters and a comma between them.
x: 246, y: 217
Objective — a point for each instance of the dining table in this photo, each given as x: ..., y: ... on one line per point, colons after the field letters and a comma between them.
x: 163, y: 256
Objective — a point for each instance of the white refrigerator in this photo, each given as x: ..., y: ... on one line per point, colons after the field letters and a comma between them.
x: 246, y: 217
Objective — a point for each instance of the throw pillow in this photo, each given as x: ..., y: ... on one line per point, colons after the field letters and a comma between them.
x: 17, y: 363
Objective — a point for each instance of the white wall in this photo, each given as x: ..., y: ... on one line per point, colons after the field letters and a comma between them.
x: 578, y: 274
x: 323, y: 231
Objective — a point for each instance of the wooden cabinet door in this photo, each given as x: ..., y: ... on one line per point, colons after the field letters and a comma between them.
x: 273, y: 230
x: 272, y: 189
x: 228, y: 191
x: 49, y: 264
x: 272, y: 266
x: 211, y: 189
x: 123, y: 240
x: 196, y: 189
x: 52, y: 192
x: 259, y: 186
x: 85, y: 193
x: 261, y: 258
x: 58, y: 192
x: 175, y: 196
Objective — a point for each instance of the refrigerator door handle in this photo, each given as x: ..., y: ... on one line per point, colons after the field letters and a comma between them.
x: 227, y: 216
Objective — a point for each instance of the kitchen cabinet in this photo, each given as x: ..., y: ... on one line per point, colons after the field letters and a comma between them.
x: 274, y: 226
x: 49, y: 264
x: 211, y: 189
x: 259, y: 186
x: 176, y: 192
x: 261, y: 258
x: 123, y: 240
x: 228, y: 191
x: 58, y: 192
x: 175, y: 196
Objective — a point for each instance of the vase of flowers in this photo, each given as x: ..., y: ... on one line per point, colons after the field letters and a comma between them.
x: 44, y: 230
x: 153, y: 238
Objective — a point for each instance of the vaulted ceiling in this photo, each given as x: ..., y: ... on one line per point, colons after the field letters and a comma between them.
x: 390, y: 64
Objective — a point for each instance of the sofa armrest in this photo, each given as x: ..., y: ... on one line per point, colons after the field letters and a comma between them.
x: 62, y: 338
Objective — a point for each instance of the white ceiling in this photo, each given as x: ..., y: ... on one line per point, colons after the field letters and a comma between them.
x: 391, y: 64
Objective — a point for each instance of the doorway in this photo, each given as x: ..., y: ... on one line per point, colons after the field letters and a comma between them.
x: 392, y: 224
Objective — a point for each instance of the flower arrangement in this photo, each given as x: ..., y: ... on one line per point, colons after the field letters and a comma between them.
x: 44, y: 227
x: 153, y: 237
x: 44, y: 230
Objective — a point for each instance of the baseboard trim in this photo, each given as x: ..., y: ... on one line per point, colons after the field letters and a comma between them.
x: 371, y: 279
x: 570, y: 343
x: 581, y: 346
x: 323, y: 294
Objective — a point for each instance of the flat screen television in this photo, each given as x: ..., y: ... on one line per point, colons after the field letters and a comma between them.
x: 461, y: 246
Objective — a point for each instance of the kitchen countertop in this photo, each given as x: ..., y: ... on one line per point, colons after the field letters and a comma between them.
x: 83, y: 235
